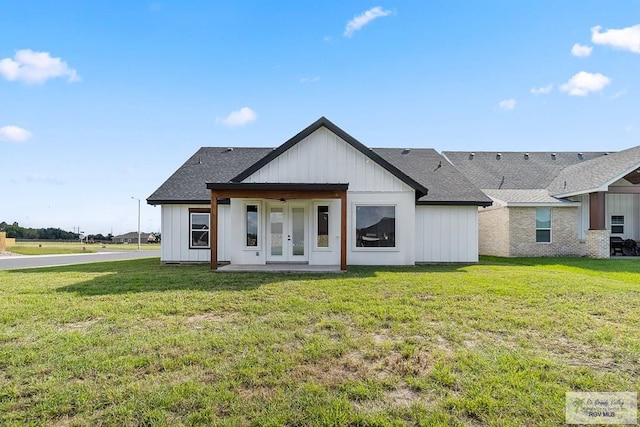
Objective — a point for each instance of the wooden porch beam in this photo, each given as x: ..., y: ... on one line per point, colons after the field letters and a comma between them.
x: 597, y: 211
x: 213, y: 231
x: 625, y: 190
x: 279, y: 194
x: 343, y: 231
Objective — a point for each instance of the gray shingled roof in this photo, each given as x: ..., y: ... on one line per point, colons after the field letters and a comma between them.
x: 208, y: 164
x: 219, y: 164
x: 513, y: 170
x: 596, y: 173
x: 515, y: 197
x: 445, y: 183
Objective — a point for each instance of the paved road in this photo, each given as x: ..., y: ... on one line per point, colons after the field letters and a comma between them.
x: 33, y: 261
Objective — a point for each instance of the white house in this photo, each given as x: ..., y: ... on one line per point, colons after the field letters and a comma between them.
x: 321, y: 198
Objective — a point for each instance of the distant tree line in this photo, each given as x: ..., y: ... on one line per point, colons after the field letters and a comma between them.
x: 16, y: 231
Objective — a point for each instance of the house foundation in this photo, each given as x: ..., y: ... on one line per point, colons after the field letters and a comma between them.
x: 598, y: 245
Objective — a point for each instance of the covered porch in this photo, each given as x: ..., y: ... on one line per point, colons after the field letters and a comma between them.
x: 281, y: 243
x: 614, y: 221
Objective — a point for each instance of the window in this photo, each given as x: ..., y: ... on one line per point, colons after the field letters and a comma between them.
x: 376, y: 226
x: 323, y: 226
x: 199, y: 220
x: 252, y: 225
x: 617, y: 224
x: 543, y: 225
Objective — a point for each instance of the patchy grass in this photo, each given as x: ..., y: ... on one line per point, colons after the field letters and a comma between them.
x: 136, y: 343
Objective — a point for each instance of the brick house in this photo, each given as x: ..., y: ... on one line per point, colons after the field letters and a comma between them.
x: 554, y: 204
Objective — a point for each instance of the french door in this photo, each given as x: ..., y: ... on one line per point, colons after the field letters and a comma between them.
x: 287, y: 232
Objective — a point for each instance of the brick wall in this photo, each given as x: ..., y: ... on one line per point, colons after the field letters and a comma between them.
x: 598, y: 243
x: 3, y: 240
x: 511, y: 232
x: 564, y: 233
x: 493, y: 230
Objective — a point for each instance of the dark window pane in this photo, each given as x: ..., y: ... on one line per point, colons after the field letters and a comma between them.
x: 543, y: 236
x: 323, y: 226
x: 252, y: 225
x: 199, y: 238
x: 376, y: 226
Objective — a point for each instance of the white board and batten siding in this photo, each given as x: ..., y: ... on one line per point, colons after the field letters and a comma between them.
x: 627, y: 205
x: 176, y: 235
x: 323, y: 158
x: 446, y: 234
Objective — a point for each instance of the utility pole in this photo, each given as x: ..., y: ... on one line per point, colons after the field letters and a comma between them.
x: 135, y: 198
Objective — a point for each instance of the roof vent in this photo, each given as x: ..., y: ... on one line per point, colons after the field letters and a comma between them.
x: 606, y: 154
x: 471, y: 156
x: 526, y: 156
x: 581, y: 156
x: 228, y: 149
x: 406, y: 151
x: 553, y: 156
x: 498, y: 156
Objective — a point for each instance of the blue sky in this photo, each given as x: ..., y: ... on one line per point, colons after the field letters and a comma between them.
x: 101, y: 101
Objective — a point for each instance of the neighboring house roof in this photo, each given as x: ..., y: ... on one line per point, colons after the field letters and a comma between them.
x: 515, y: 170
x: 421, y: 169
x: 538, y: 197
x: 446, y: 184
x: 596, y: 174
x: 132, y: 235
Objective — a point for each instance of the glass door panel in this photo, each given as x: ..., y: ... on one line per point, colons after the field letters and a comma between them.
x: 297, y: 231
x: 276, y: 228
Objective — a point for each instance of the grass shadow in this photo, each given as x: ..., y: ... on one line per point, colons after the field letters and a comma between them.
x: 148, y: 275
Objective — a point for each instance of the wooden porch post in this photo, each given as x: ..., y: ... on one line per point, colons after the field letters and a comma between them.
x: 597, y: 211
x: 213, y: 231
x: 343, y: 231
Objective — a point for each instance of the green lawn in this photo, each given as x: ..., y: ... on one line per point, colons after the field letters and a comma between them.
x: 54, y: 247
x: 136, y: 343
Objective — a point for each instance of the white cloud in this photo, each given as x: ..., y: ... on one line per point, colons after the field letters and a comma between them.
x: 309, y: 79
x: 581, y: 51
x: 243, y: 116
x: 35, y: 67
x: 363, y: 19
x: 583, y: 83
x: 542, y: 90
x: 625, y: 39
x: 14, y: 134
x: 507, y: 104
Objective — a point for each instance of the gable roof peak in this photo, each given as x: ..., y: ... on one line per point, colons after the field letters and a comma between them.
x: 326, y: 123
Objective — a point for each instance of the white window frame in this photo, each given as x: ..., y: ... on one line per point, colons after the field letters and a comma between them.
x: 316, y: 205
x: 550, y: 227
x: 354, y: 240
x: 258, y: 246
x: 199, y: 211
x: 618, y: 225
